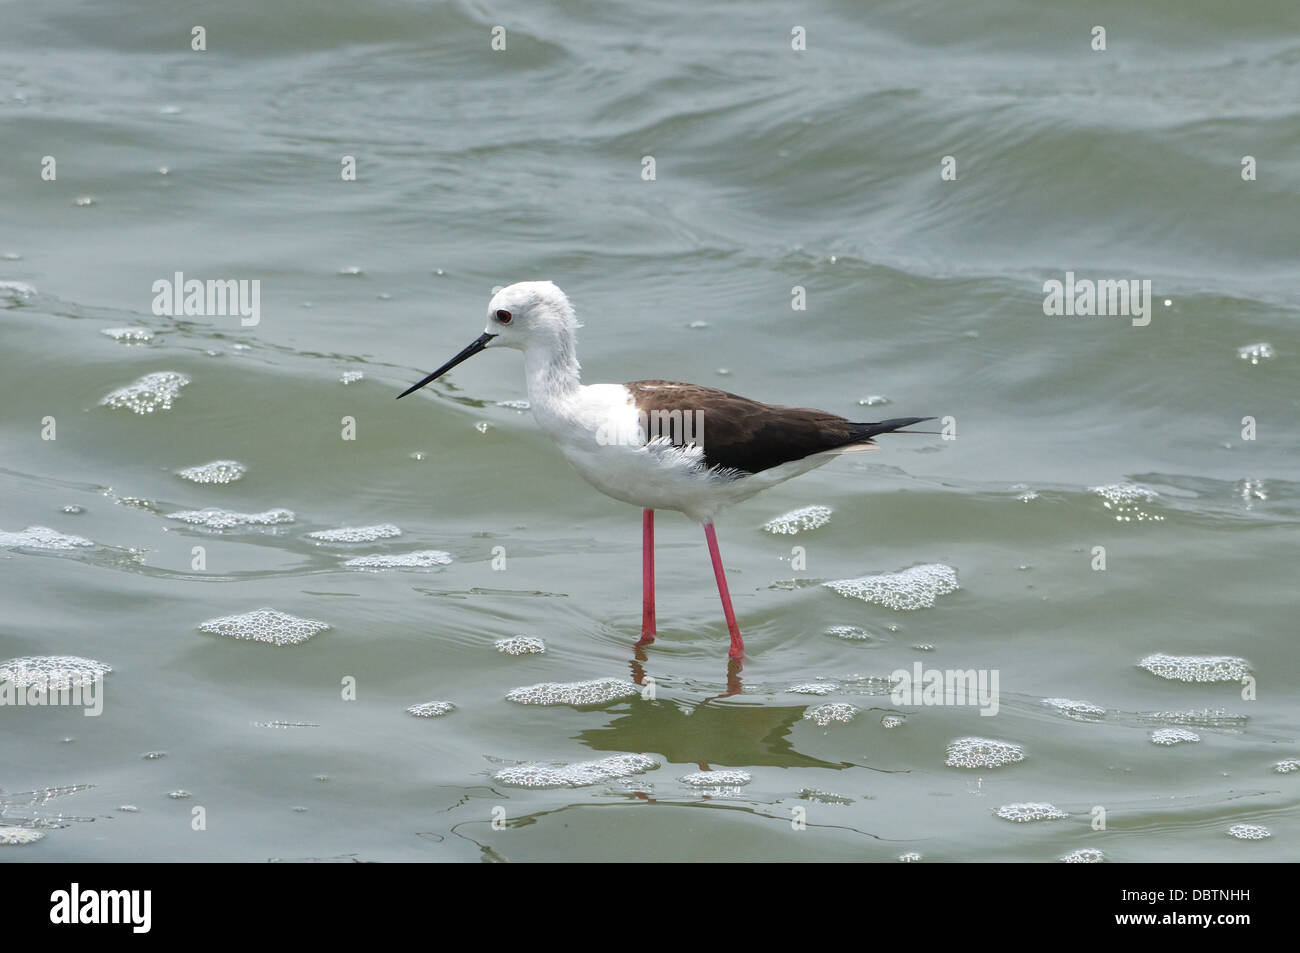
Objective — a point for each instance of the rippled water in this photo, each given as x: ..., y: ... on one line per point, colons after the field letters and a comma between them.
x: 198, y: 473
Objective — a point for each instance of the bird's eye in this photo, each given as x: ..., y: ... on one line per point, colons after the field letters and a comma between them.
x: 503, y: 317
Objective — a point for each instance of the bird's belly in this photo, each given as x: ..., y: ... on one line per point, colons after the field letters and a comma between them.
x: 633, y: 475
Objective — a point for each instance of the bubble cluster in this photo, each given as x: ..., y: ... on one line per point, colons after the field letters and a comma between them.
x: 521, y: 645
x: 52, y: 672
x: 218, y: 471
x: 152, y: 392
x: 1196, y: 668
x: 580, y: 774
x: 595, y: 692
x: 1080, y: 711
x: 129, y: 335
x: 1126, y: 499
x: 214, y: 518
x: 1174, y: 736
x: 265, y: 625
x: 915, y: 588
x: 520, y: 405
x: 421, y: 559
x: 851, y: 633
x: 909, y: 857
x: 983, y: 753
x: 1084, y: 855
x: 1031, y: 811
x: 823, y: 715
x: 15, y: 836
x: 892, y: 721
x: 431, y: 709
x: 1249, y: 832
x: 1287, y: 766
x: 800, y: 520
x: 41, y: 537
x: 356, y: 534
x: 1215, y: 718
x: 350, y: 377
x: 717, y: 779
x: 1257, y: 353
x: 812, y: 688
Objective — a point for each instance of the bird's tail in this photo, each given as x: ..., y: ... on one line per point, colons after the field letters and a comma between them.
x: 867, y: 431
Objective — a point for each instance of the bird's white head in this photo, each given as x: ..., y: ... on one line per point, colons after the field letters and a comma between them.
x: 531, y: 316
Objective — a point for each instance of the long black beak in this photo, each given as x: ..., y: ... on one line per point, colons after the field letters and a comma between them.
x: 464, y: 355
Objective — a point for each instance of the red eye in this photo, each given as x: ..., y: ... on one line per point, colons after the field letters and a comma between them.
x: 503, y: 317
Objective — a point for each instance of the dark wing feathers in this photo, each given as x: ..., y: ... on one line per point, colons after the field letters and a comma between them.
x: 746, y: 435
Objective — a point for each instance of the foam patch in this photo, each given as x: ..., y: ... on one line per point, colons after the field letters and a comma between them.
x: 916, y: 588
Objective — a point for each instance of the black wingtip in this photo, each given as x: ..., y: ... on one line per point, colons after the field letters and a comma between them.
x: 895, y: 425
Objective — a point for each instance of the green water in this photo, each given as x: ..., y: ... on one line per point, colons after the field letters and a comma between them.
x: 773, y: 169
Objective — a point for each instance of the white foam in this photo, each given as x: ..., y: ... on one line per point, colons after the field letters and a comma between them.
x: 823, y: 715
x: 1126, y: 499
x: 14, y: 836
x: 800, y: 520
x: 218, y: 471
x: 351, y: 377
x: 1196, y: 668
x: 52, y: 672
x: 422, y: 559
x: 813, y: 688
x: 538, y: 775
x: 521, y: 645
x: 1028, y: 811
x: 983, y: 753
x: 41, y: 537
x: 265, y: 625
x: 431, y: 709
x: 717, y: 779
x: 129, y: 335
x: 909, y: 857
x: 1174, y: 736
x: 16, y: 291
x: 1287, y: 766
x: 1084, y: 855
x: 1249, y: 832
x: 910, y: 589
x: 892, y: 721
x: 595, y: 692
x: 851, y: 633
x: 520, y: 405
x: 152, y: 392
x: 357, y: 534
x: 1081, y: 711
x: 214, y: 518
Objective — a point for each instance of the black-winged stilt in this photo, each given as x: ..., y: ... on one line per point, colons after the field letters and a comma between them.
x: 659, y: 445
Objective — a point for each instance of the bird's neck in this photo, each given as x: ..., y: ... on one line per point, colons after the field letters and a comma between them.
x: 552, y: 372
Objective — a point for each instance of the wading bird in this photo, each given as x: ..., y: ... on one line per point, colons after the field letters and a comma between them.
x: 718, y: 448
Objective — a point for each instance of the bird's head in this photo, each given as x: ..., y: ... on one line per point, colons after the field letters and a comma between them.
x: 524, y: 316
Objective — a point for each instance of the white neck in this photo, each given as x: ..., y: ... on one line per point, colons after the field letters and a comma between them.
x: 552, y: 372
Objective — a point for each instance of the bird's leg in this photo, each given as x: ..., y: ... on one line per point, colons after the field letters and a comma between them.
x: 647, y: 577
x: 737, y: 643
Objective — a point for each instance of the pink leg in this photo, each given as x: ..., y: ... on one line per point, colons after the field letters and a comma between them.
x: 737, y: 643
x: 648, y: 576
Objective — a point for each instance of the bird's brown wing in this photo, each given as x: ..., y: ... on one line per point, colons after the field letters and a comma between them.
x: 743, y: 434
